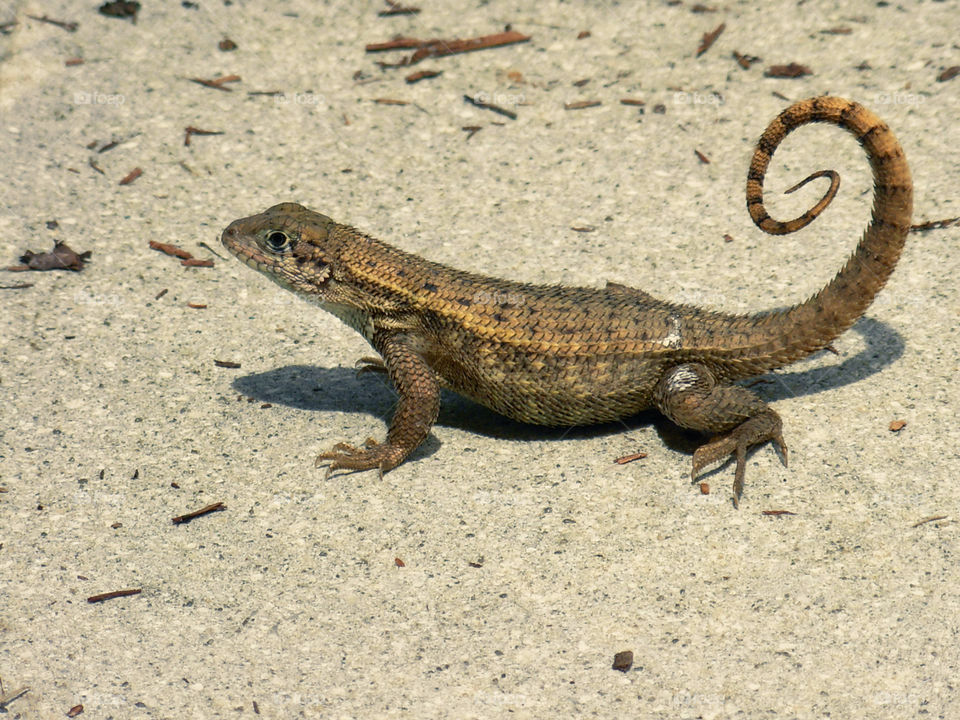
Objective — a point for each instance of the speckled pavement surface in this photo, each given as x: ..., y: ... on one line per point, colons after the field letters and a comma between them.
x: 529, y: 557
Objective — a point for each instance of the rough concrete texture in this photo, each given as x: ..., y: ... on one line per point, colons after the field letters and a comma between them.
x: 529, y: 557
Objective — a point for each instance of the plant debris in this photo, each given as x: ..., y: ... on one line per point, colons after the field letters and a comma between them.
x: 791, y: 70
x: 477, y: 102
x: 710, y: 38
x: 187, y: 517
x: 623, y: 460
x: 217, y: 83
x: 949, y: 74
x: 121, y: 9
x: 395, y: 8
x: 68, y: 26
x: 9, y: 697
x: 62, y: 257
x: 934, y: 224
x: 186, y: 258
x: 113, y: 594
x: 441, y: 48
x: 422, y: 75
x: 131, y: 176
x: 190, y: 131
x: 744, y: 60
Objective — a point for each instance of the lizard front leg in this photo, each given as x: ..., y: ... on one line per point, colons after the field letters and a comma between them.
x: 690, y: 396
x: 417, y: 410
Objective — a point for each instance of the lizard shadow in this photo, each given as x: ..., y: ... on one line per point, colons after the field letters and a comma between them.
x: 340, y: 390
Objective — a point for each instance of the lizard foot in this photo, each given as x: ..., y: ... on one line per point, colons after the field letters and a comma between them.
x: 344, y: 456
x: 690, y: 395
x: 757, y: 429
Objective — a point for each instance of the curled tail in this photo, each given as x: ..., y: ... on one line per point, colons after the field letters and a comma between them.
x: 812, y: 325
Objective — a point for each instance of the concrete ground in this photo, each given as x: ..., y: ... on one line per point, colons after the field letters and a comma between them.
x: 529, y: 558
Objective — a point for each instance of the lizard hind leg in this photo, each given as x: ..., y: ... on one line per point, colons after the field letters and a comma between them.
x: 690, y: 396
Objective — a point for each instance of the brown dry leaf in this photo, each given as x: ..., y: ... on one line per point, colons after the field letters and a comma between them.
x: 62, y: 257
x: 949, y: 74
x: 744, y: 60
x: 791, y: 70
x: 710, y: 38
x: 120, y: 9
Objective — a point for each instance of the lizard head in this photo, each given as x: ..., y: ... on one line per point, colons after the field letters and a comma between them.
x: 289, y: 244
x: 299, y: 250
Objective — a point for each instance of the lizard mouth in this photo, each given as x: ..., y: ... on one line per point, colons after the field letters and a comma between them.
x: 245, y: 252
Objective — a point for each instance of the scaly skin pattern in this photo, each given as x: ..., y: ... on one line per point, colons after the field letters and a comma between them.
x: 564, y: 356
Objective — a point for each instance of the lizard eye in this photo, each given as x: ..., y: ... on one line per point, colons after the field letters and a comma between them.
x: 277, y: 241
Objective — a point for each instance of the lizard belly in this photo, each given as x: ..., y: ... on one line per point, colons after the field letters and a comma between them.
x: 556, y: 392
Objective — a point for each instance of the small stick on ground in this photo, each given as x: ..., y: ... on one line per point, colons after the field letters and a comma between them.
x: 395, y: 8
x: 187, y: 517
x: 932, y: 518
x: 190, y: 131
x: 440, y: 48
x: 217, y: 83
x: 68, y: 26
x: 113, y: 594
x: 630, y: 458
x: 934, y: 224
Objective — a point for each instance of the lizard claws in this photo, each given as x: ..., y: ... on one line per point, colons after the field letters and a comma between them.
x: 343, y: 456
x: 736, y: 443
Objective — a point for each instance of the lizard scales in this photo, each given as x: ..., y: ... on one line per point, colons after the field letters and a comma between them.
x: 555, y: 355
